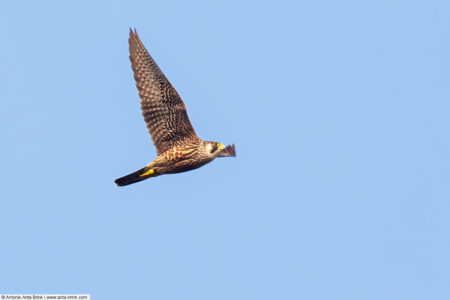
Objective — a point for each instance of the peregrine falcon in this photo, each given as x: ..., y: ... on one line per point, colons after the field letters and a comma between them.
x: 177, y: 146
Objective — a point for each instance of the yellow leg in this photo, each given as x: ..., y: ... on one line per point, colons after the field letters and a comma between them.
x: 146, y: 173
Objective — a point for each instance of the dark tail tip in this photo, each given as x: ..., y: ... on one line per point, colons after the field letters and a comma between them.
x: 133, y: 177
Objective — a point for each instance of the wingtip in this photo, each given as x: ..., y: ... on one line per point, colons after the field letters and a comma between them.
x: 133, y: 32
x: 133, y: 39
x: 229, y: 151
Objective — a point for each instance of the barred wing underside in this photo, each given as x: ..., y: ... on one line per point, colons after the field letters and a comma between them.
x: 163, y: 110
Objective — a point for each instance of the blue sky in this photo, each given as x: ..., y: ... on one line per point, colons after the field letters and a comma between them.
x: 340, y: 115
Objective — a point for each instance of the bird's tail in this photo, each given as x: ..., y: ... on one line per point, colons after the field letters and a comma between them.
x: 137, y: 176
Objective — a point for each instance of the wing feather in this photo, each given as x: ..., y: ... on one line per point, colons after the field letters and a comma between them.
x: 163, y: 110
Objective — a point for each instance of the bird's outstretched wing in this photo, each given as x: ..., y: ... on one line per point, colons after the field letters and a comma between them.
x: 162, y: 108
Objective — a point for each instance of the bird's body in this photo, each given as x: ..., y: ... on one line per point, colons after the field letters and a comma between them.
x: 177, y: 145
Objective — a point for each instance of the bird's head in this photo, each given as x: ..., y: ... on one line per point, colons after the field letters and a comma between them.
x: 213, y: 149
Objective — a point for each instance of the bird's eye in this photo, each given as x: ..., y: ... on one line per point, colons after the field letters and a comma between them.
x: 214, y: 148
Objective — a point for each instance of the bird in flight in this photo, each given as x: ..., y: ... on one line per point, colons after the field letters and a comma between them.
x: 177, y: 146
